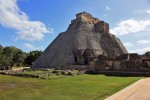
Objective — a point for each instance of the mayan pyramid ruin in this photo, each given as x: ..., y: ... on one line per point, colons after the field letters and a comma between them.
x: 85, y: 39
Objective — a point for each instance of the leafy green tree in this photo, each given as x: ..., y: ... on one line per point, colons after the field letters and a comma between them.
x: 8, y: 55
x: 1, y: 51
x: 147, y: 54
x: 12, y: 56
x: 32, y: 56
x: 1, y: 55
x: 19, y: 58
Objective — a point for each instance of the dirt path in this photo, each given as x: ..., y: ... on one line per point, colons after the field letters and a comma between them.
x: 21, y: 68
x: 140, y: 90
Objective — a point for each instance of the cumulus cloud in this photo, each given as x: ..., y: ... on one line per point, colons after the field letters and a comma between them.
x: 128, y: 44
x: 107, y: 8
x: 29, y: 46
x: 141, y: 51
x: 12, y: 17
x: 32, y: 47
x: 106, y: 15
x: 130, y: 26
x: 147, y: 11
x: 143, y: 41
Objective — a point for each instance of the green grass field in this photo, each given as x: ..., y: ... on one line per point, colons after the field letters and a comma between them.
x: 81, y: 87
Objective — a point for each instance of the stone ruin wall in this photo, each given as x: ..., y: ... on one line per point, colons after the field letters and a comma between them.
x: 123, y: 63
x: 96, y: 24
x: 87, y: 17
x: 84, y: 56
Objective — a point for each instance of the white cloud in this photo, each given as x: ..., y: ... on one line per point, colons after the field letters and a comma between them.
x: 143, y: 41
x: 29, y: 46
x: 128, y: 44
x: 143, y: 11
x: 143, y: 50
x: 12, y: 17
x: 32, y: 47
x: 106, y: 15
x: 131, y: 26
x: 107, y: 8
x: 147, y: 11
x: 51, y: 30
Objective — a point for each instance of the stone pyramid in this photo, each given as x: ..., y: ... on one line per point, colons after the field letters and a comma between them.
x: 85, y: 39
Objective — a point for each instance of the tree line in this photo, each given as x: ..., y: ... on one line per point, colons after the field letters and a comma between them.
x: 11, y: 56
x: 147, y: 54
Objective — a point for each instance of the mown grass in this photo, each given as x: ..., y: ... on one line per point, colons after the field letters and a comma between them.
x: 81, y: 87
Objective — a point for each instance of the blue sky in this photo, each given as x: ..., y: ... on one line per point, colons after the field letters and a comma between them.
x: 34, y: 24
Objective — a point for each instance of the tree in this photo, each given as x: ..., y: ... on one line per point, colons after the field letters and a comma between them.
x: 147, y: 54
x: 1, y: 49
x: 11, y: 56
x: 19, y: 58
x: 8, y: 56
x: 1, y: 52
x: 32, y: 56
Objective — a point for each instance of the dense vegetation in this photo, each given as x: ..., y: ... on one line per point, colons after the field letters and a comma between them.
x: 81, y: 87
x: 11, y: 56
x: 147, y: 54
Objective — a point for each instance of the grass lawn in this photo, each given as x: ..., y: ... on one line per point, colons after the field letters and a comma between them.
x: 81, y: 87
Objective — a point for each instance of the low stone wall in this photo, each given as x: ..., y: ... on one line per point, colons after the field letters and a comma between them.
x: 77, y: 67
x: 43, y: 74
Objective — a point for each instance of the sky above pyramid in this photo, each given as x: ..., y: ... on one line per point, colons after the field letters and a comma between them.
x: 34, y: 24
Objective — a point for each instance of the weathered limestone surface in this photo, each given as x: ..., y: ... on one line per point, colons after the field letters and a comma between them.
x: 123, y: 63
x: 85, y: 39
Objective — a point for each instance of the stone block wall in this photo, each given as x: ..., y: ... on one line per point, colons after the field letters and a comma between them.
x: 102, y: 27
x: 84, y: 16
x: 125, y: 66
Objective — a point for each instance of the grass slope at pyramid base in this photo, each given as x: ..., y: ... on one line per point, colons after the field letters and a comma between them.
x: 85, y: 87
